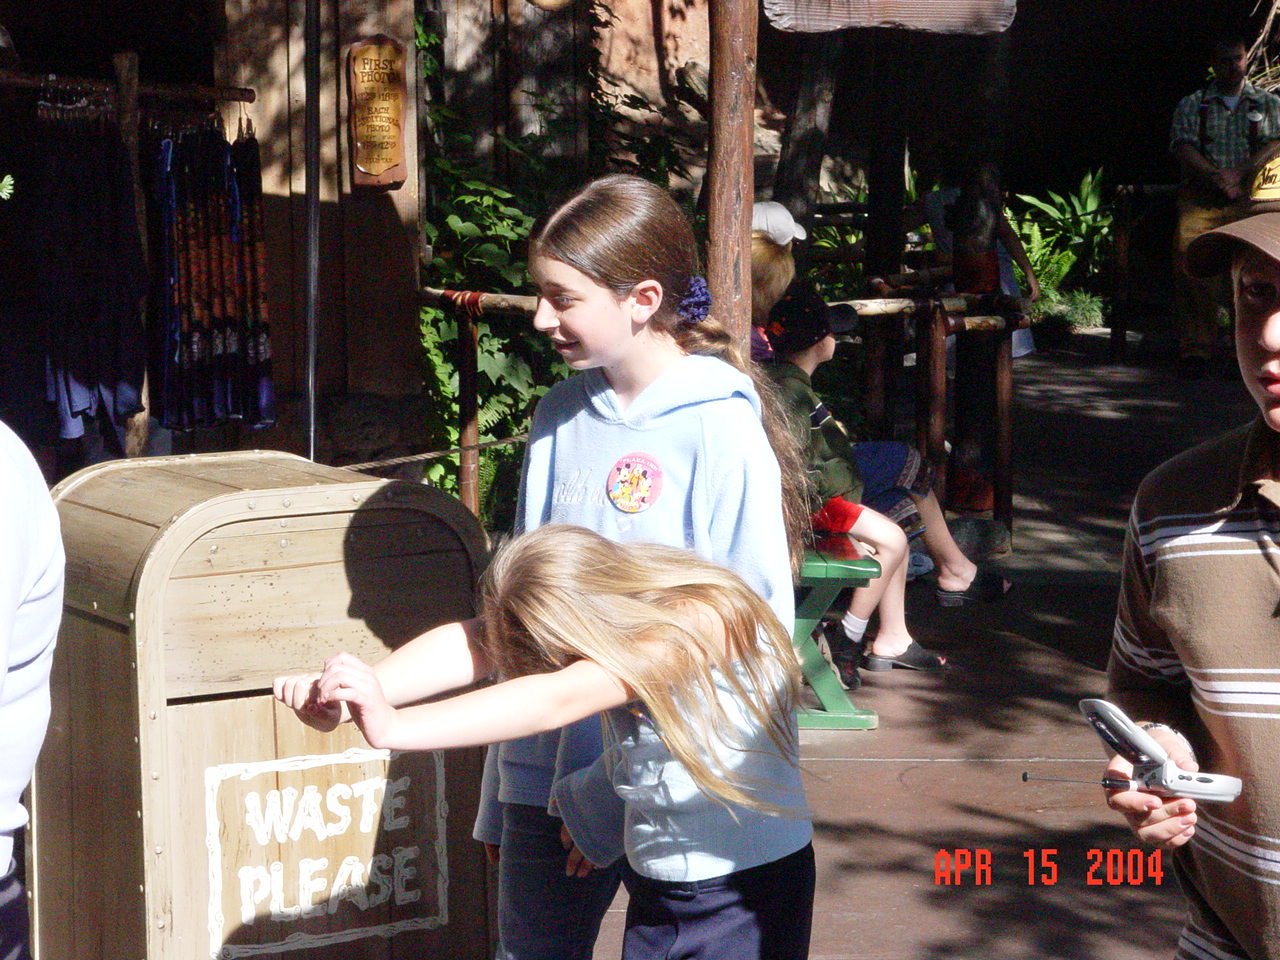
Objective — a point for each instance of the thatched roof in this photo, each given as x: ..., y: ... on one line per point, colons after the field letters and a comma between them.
x: 933, y: 16
x: 1264, y: 65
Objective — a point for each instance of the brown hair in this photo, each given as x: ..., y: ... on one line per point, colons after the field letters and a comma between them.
x: 621, y: 229
x: 639, y: 611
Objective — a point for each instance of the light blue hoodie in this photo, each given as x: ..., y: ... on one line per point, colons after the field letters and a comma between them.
x: 687, y: 464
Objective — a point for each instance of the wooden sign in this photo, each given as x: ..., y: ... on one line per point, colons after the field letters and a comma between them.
x: 331, y: 854
x: 379, y: 98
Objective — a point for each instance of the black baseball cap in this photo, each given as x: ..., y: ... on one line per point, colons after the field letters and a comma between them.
x: 802, y: 318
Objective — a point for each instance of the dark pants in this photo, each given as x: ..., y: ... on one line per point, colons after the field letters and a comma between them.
x: 543, y: 914
x: 13, y: 918
x: 764, y: 913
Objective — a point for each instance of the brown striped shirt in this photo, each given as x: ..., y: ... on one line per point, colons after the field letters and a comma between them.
x: 1197, y: 646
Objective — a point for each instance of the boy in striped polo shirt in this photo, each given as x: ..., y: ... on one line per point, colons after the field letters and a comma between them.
x: 1196, y: 651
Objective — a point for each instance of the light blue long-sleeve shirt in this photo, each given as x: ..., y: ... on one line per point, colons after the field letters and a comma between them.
x: 672, y: 830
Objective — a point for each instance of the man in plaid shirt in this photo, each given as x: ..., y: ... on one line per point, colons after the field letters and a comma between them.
x: 1220, y: 136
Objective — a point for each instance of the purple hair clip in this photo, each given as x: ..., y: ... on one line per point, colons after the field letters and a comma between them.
x: 696, y: 304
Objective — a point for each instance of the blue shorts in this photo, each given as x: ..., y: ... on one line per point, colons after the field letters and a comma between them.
x: 763, y: 913
x: 893, y: 473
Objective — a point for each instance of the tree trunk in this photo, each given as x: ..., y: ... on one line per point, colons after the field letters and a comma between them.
x: 887, y: 155
x: 804, y: 142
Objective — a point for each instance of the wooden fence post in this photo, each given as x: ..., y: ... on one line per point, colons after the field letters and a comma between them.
x: 729, y: 170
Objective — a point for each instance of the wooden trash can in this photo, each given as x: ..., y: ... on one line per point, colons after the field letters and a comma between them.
x: 177, y: 810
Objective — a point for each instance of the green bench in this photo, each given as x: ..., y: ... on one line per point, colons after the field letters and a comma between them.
x: 822, y: 576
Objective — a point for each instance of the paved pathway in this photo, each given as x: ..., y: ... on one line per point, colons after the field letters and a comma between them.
x: 943, y: 772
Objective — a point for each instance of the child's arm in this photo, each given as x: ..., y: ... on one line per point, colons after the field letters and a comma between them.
x: 504, y: 711
x: 443, y: 658
x: 1013, y: 243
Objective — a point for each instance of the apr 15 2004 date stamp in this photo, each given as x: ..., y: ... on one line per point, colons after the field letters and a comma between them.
x: 1046, y: 866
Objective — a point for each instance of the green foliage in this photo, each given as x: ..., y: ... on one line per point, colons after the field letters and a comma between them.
x: 477, y: 227
x: 1050, y: 260
x: 1078, y: 309
x: 477, y: 232
x: 1068, y: 238
x: 840, y: 278
x: 6, y: 186
x: 515, y: 369
x: 844, y: 279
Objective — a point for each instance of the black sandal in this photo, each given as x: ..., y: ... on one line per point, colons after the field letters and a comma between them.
x: 987, y: 585
x: 915, y: 657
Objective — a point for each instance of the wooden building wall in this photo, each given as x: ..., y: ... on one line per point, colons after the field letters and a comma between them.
x: 367, y: 314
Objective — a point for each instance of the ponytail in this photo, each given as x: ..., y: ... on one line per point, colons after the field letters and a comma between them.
x: 712, y: 338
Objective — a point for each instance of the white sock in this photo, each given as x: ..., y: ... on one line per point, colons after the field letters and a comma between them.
x: 854, y: 628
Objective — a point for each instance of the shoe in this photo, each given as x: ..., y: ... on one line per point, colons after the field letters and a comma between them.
x: 915, y: 657
x: 843, y: 654
x: 918, y: 564
x: 846, y: 663
x: 987, y: 586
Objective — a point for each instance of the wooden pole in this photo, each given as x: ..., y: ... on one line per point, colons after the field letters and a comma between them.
x: 468, y: 408
x: 729, y: 169
x: 1002, y: 472
x: 161, y: 91
x: 137, y: 428
x: 311, y: 174
x: 886, y: 161
x: 931, y: 390
x: 874, y: 339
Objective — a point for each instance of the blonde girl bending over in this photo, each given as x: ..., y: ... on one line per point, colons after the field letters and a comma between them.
x: 698, y: 683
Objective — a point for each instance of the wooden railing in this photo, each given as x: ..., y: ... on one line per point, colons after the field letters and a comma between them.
x: 935, y: 320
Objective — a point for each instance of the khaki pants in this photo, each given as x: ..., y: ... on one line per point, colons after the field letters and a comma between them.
x: 1197, y: 301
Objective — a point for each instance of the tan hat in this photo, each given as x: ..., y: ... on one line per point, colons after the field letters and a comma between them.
x: 1258, y: 225
x: 775, y: 222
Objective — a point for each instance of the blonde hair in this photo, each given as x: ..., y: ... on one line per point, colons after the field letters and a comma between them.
x: 621, y: 229
x: 772, y: 270
x: 561, y: 593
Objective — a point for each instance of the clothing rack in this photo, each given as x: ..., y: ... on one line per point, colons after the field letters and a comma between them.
x: 127, y: 91
x: 160, y: 91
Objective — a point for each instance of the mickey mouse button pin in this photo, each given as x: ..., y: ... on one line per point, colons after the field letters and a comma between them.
x: 635, y: 482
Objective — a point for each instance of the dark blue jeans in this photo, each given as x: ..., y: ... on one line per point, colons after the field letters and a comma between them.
x: 543, y: 914
x: 13, y: 918
x: 762, y: 913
